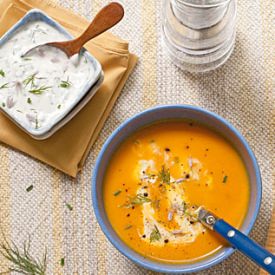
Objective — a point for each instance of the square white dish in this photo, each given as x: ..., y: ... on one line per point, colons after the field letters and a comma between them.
x: 81, y: 104
x: 81, y: 96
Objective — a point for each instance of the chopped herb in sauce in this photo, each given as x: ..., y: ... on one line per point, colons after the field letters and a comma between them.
x: 177, y: 159
x: 26, y: 58
x: 40, y: 90
x: 164, y: 175
x: 2, y: 73
x: 137, y: 200
x: 69, y: 207
x: 155, y: 235
x: 59, y: 106
x: 65, y: 84
x: 29, y: 189
x: 29, y: 80
x: 3, y: 105
x: 116, y: 193
x: 225, y: 178
x: 29, y: 101
x: 127, y: 227
x: 4, y: 86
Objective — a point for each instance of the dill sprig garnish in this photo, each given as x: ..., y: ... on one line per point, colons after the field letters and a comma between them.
x: 29, y: 80
x: 127, y: 227
x: 116, y: 193
x: 137, y: 200
x: 21, y: 260
x: 155, y: 235
x: 39, y: 90
x: 224, y: 179
x: 4, y: 86
x: 65, y: 84
x: 26, y: 58
x: 2, y: 73
x: 164, y: 175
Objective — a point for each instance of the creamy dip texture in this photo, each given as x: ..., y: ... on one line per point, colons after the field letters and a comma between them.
x: 38, y: 89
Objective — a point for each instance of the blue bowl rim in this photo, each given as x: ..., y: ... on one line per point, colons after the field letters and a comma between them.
x: 146, y: 262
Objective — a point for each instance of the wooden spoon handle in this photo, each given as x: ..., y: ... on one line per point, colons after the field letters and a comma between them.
x: 106, y: 18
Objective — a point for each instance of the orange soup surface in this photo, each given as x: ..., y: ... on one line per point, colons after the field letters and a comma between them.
x: 158, y: 178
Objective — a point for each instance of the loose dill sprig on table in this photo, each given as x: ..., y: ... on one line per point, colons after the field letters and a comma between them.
x: 69, y: 207
x: 62, y: 262
x: 21, y: 260
x: 29, y: 188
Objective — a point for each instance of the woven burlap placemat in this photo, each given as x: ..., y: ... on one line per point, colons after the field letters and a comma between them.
x: 241, y: 91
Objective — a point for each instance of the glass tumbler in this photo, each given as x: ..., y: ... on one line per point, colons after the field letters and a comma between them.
x: 199, y: 35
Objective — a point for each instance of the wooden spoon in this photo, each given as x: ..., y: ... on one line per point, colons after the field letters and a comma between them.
x: 106, y: 18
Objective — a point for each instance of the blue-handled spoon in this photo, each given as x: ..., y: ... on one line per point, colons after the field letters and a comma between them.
x: 239, y: 241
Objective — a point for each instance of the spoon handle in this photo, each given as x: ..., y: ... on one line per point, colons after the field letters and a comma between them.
x: 246, y: 245
x: 106, y: 18
x: 239, y: 241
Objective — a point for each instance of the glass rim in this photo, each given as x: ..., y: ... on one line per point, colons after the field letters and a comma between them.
x: 203, y: 3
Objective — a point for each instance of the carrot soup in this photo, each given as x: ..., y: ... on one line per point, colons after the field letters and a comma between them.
x: 156, y: 178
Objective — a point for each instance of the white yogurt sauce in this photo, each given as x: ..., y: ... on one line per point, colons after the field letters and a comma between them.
x: 38, y: 89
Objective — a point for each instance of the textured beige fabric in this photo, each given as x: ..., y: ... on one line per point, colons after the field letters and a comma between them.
x: 242, y: 91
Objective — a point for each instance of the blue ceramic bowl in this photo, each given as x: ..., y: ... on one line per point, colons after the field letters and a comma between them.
x: 148, y: 117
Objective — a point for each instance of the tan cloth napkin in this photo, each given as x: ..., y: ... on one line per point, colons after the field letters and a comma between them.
x: 68, y: 148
